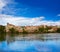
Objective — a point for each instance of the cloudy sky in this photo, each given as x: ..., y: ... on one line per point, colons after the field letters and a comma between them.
x: 30, y: 12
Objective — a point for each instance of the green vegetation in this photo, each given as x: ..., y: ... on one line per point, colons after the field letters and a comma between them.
x: 2, y: 29
x: 12, y: 30
x: 46, y: 29
x: 24, y: 32
x: 58, y: 30
x: 41, y: 30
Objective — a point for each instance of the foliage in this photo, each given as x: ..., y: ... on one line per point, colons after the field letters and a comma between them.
x: 12, y: 30
x: 24, y: 32
x: 2, y: 29
x: 41, y: 30
x: 58, y: 30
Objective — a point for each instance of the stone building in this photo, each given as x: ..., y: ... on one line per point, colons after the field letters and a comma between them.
x: 17, y: 28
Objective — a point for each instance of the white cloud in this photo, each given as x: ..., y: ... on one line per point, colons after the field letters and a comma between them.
x: 22, y: 21
x: 18, y: 20
x: 10, y: 7
x: 3, y: 3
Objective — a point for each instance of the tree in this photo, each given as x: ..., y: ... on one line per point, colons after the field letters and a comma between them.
x: 41, y: 30
x: 12, y: 30
x: 2, y: 29
x: 24, y: 32
x: 46, y: 29
x: 58, y: 30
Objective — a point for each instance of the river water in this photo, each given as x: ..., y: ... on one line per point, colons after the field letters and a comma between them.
x: 30, y: 42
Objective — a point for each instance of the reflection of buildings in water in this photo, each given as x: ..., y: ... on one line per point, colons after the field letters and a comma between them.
x: 9, y: 39
x: 28, y: 37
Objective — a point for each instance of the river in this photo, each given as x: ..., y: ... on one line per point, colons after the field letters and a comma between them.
x: 49, y: 42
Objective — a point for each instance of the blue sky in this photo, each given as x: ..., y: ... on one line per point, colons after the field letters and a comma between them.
x: 30, y: 12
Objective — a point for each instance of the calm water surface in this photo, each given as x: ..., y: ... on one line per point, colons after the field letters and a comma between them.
x: 30, y: 42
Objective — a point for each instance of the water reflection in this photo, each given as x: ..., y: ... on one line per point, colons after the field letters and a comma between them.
x: 2, y: 37
x: 30, y: 42
x: 41, y: 37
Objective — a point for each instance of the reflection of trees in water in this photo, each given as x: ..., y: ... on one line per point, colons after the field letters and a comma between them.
x: 2, y: 37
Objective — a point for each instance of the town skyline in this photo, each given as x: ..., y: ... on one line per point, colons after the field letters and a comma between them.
x: 10, y: 28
